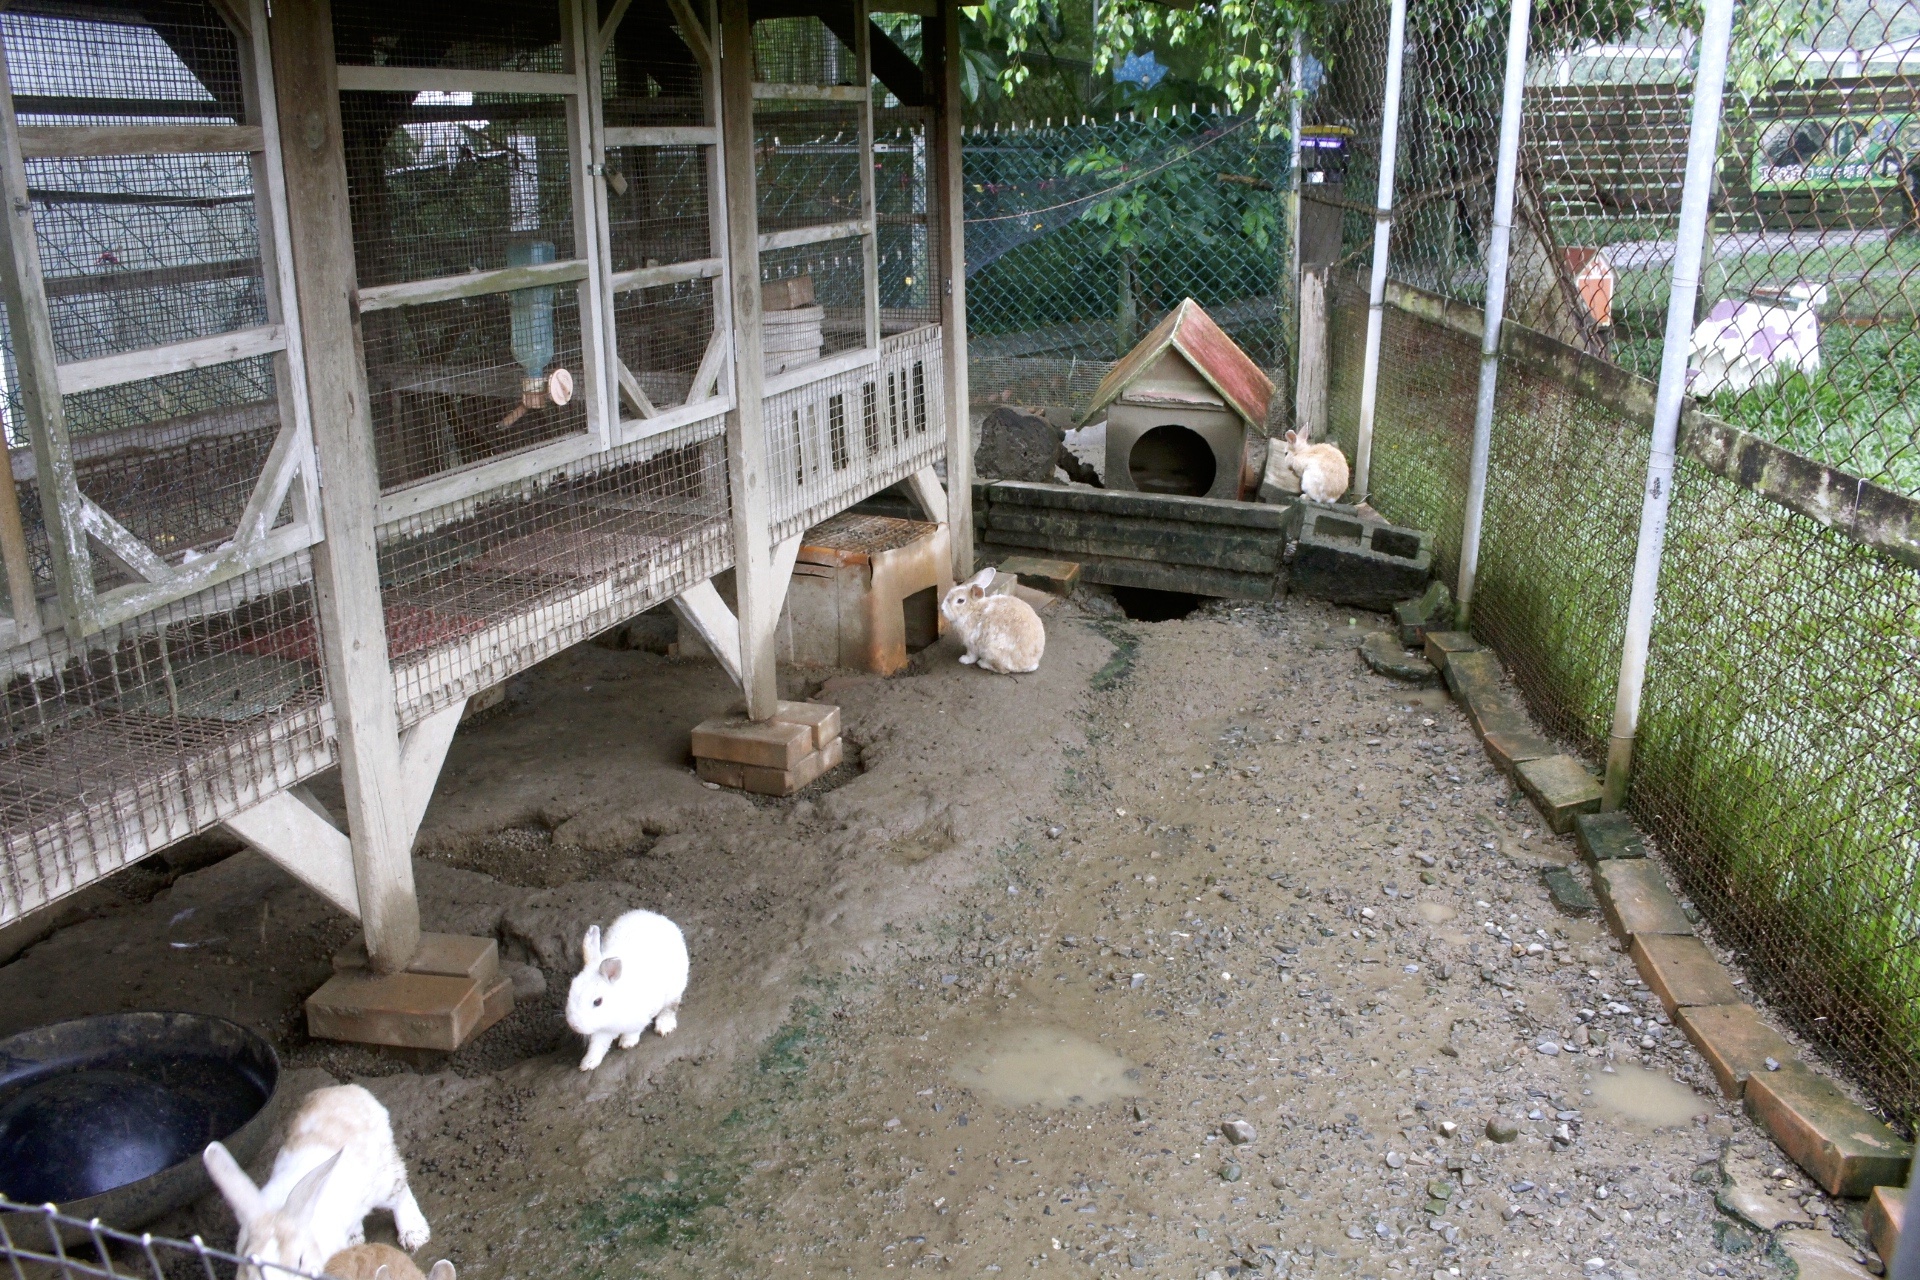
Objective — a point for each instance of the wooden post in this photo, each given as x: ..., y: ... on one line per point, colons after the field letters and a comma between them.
x: 942, y: 37
x: 869, y: 209
x: 755, y: 592
x: 1310, y: 380
x: 346, y: 575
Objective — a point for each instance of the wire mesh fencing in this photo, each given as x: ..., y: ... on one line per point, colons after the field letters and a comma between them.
x: 40, y: 1241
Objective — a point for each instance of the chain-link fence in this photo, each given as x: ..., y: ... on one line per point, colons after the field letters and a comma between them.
x: 1778, y: 755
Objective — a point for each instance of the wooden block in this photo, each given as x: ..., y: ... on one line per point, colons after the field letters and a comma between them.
x: 822, y: 719
x: 1056, y: 577
x: 1560, y: 787
x: 785, y: 295
x: 445, y: 955
x: 1734, y: 1041
x: 1680, y: 970
x: 1603, y: 837
x: 1886, y: 1209
x: 411, y: 1010
x: 771, y: 782
x: 1443, y: 644
x: 496, y: 1002
x: 1846, y: 1151
x: 1637, y: 900
x: 772, y: 744
x: 1507, y: 749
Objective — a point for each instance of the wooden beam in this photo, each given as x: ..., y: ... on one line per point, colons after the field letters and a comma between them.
x: 123, y: 604
x: 632, y: 392
x: 796, y: 237
x: 423, y: 751
x: 47, y: 142
x: 471, y: 284
x: 346, y: 571
x: 295, y: 833
x: 111, y: 281
x: 671, y: 273
x: 178, y: 357
x: 121, y: 546
x: 701, y: 608
x: 809, y: 92
x: 599, y: 390
x: 746, y: 436
x: 446, y: 80
x: 941, y: 41
x: 694, y: 32
x: 603, y: 38
x: 706, y: 379
x: 870, y: 242
x: 929, y: 494
x: 664, y: 135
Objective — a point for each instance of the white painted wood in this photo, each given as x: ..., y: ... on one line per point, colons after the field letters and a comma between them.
x: 472, y: 284
x: 663, y: 135
x: 632, y: 392
x: 120, y: 545
x: 178, y: 357
x: 270, y: 490
x: 599, y: 390
x: 39, y: 142
x: 798, y: 237
x: 941, y: 37
x: 809, y: 92
x: 453, y: 80
x: 671, y: 273
x: 929, y: 494
x: 706, y: 379
x: 701, y: 608
x: 634, y: 430
x: 110, y: 608
x: 304, y: 843
x: 821, y: 370
x: 24, y: 625
x: 870, y: 240
x: 423, y: 750
x: 696, y: 35
x: 478, y: 477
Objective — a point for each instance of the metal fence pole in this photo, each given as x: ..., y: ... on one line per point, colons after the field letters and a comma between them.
x: 1505, y: 180
x: 1382, y: 233
x: 1703, y: 140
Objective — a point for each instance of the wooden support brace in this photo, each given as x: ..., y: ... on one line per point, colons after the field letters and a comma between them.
x: 632, y: 392
x: 423, y: 750
x: 293, y: 830
x: 929, y: 493
x: 701, y: 608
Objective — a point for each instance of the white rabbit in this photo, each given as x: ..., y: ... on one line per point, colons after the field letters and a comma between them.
x: 1002, y: 632
x: 381, y: 1262
x: 337, y: 1165
x: 635, y: 979
x: 1322, y: 469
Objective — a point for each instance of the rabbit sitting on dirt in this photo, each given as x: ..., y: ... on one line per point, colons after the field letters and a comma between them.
x: 1002, y: 632
x: 635, y: 979
x: 1322, y: 469
x: 381, y: 1262
x: 337, y: 1165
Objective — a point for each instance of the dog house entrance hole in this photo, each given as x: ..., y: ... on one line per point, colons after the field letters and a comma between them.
x: 1172, y: 459
x: 922, y: 610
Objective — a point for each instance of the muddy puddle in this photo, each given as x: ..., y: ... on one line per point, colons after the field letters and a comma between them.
x: 1645, y: 1099
x: 1046, y: 1067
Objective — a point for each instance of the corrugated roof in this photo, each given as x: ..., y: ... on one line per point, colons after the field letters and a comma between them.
x: 1189, y: 330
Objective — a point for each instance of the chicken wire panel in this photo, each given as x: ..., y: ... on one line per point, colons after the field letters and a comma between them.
x: 448, y: 382
x: 147, y: 732
x: 836, y: 321
x: 1347, y: 93
x: 662, y: 336
x: 808, y: 164
x: 478, y: 590
x: 649, y: 75
x: 128, y: 63
x: 1778, y: 763
x: 802, y: 51
x: 907, y: 234
x: 657, y: 206
x: 843, y: 438
x: 477, y: 35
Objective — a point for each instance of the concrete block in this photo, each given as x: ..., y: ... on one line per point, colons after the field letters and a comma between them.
x: 1383, y: 652
x: 771, y: 782
x: 1886, y: 1208
x: 1846, y: 1151
x: 1636, y: 899
x: 1431, y: 610
x: 1508, y: 749
x: 1605, y: 837
x: 1055, y: 577
x: 1356, y: 562
x: 1734, y: 1041
x: 1680, y: 970
x: 1441, y: 645
x: 1560, y: 787
x: 409, y: 1010
x: 1474, y: 678
x: 771, y: 744
x: 445, y: 955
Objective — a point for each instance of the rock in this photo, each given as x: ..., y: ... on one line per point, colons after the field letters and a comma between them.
x: 1548, y: 1047
x: 1383, y: 652
x: 1238, y: 1132
x: 1016, y: 445
x: 528, y: 982
x: 1395, y: 1160
x: 1230, y: 1173
x: 1432, y: 610
x: 546, y: 927
x: 1502, y: 1130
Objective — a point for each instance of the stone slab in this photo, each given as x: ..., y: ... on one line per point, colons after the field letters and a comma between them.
x: 1734, y: 1041
x: 770, y: 744
x: 1680, y: 970
x: 1440, y: 645
x: 771, y: 782
x: 1605, y: 837
x: 1383, y: 652
x: 1886, y: 1209
x: 1636, y: 899
x: 1056, y: 577
x: 1431, y: 610
x: 446, y: 955
x: 407, y: 1010
x: 1567, y: 892
x: 1508, y: 749
x: 1845, y: 1150
x: 1474, y: 677
x: 1560, y: 787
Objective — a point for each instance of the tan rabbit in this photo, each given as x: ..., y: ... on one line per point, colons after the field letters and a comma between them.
x: 1002, y: 633
x: 1322, y: 469
x: 381, y: 1262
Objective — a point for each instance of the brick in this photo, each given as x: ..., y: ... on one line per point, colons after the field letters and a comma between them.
x: 1636, y: 899
x: 446, y: 955
x: 772, y: 744
x: 1845, y: 1150
x: 1056, y: 577
x: 1680, y: 970
x: 1431, y: 610
x: 410, y: 1010
x: 1603, y: 837
x: 1473, y: 675
x: 1886, y: 1208
x: 1734, y: 1041
x: 1441, y: 645
x: 771, y: 782
x: 1560, y: 787
x: 1508, y: 749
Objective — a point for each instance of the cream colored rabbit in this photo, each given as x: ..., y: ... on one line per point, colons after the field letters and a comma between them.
x: 381, y: 1262
x: 1322, y: 469
x: 1002, y: 633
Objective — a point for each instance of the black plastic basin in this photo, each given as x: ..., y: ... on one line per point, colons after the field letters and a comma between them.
x: 106, y: 1117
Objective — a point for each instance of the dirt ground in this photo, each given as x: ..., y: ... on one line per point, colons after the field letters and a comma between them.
x: 988, y: 998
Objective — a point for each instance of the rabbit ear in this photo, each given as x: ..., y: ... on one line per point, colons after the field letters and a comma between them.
x: 305, y: 1196
x: 1291, y: 435
x: 382, y: 1272
x: 984, y: 578
x: 236, y: 1188
x: 976, y: 592
x: 610, y: 968
x: 442, y: 1270
x: 590, y: 949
